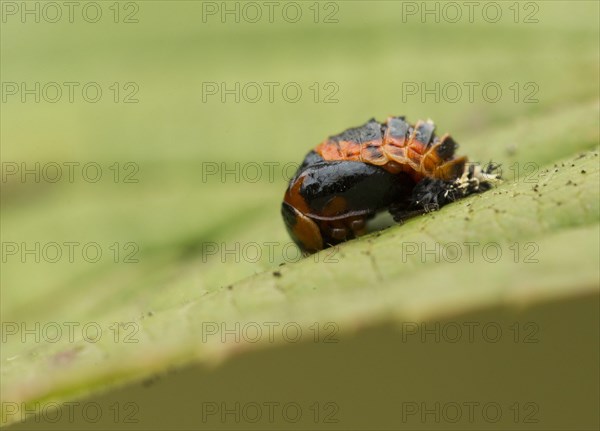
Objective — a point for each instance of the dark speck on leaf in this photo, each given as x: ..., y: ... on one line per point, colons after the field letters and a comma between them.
x: 277, y: 273
x: 583, y: 171
x: 230, y: 287
x: 150, y: 381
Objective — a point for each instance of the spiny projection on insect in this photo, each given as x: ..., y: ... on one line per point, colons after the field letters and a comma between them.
x: 350, y: 177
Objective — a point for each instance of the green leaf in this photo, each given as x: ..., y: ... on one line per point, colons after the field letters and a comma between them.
x: 504, y: 247
x: 358, y: 309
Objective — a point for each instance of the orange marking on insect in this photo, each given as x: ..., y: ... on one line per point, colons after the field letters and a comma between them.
x: 397, y: 154
x: 295, y: 199
x: 337, y: 205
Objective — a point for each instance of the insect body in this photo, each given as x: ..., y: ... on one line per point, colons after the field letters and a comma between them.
x: 350, y: 177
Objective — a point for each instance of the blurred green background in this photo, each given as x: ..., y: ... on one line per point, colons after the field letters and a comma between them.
x: 366, y: 53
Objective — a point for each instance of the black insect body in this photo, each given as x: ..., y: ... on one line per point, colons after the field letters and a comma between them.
x: 394, y: 166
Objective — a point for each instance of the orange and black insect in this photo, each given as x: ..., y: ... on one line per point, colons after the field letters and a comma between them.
x: 351, y: 176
